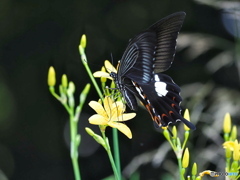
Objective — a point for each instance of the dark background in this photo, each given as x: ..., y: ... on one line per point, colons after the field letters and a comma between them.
x: 34, y: 126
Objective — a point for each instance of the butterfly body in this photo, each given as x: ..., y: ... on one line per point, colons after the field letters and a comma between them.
x: 139, y: 75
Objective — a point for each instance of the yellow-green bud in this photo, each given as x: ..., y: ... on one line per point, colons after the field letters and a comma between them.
x: 174, y: 132
x: 98, y: 138
x: 166, y: 134
x: 84, y: 93
x: 51, y: 77
x: 234, y: 133
x: 71, y: 88
x: 83, y: 41
x: 113, y: 85
x: 227, y: 123
x: 64, y: 81
x: 187, y: 117
x: 89, y: 131
x: 194, y: 169
x: 198, y: 178
x: 185, y: 160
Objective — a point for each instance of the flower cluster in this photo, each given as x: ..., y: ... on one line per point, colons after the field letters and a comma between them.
x: 231, y: 146
x: 181, y: 152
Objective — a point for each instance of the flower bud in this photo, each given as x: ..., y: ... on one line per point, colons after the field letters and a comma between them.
x: 187, y: 117
x: 83, y: 41
x: 227, y: 123
x: 51, y: 77
x: 185, y: 160
x: 64, y: 81
x: 194, y: 169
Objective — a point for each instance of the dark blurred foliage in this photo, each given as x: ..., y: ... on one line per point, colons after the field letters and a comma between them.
x: 33, y: 125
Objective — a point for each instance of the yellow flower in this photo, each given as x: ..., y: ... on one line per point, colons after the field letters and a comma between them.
x: 236, y: 151
x: 109, y: 67
x: 231, y: 145
x: 111, y: 114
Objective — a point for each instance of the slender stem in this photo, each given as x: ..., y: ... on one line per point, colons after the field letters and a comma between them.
x: 116, y: 151
x: 184, y: 143
x: 52, y: 91
x: 84, y: 61
x: 180, y: 168
x: 108, y: 149
x: 74, y: 146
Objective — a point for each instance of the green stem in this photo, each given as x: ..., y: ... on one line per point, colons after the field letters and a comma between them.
x: 116, y: 151
x: 108, y: 149
x: 52, y: 91
x: 74, y: 146
x: 185, y: 142
x: 180, y: 168
x: 84, y: 61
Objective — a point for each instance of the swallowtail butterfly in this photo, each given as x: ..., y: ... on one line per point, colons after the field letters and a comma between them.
x: 147, y: 55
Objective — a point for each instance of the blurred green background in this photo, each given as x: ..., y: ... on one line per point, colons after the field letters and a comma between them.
x: 34, y: 142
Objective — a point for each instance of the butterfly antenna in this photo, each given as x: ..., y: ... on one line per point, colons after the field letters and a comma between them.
x: 111, y: 58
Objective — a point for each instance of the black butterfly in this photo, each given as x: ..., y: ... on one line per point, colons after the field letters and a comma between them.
x: 139, y: 75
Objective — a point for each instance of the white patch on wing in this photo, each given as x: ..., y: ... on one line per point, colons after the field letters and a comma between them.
x: 138, y: 90
x: 160, y: 87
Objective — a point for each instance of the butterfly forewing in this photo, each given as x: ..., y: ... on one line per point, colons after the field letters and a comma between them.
x: 167, y: 30
x: 143, y: 48
x: 154, y: 49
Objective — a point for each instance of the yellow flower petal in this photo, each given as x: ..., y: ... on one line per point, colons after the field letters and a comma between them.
x: 100, y: 74
x: 236, y: 151
x: 98, y: 108
x: 97, y: 120
x: 128, y: 116
x: 110, y: 68
x: 118, y: 109
x: 107, y: 103
x: 114, y: 115
x: 229, y: 144
x: 121, y: 127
